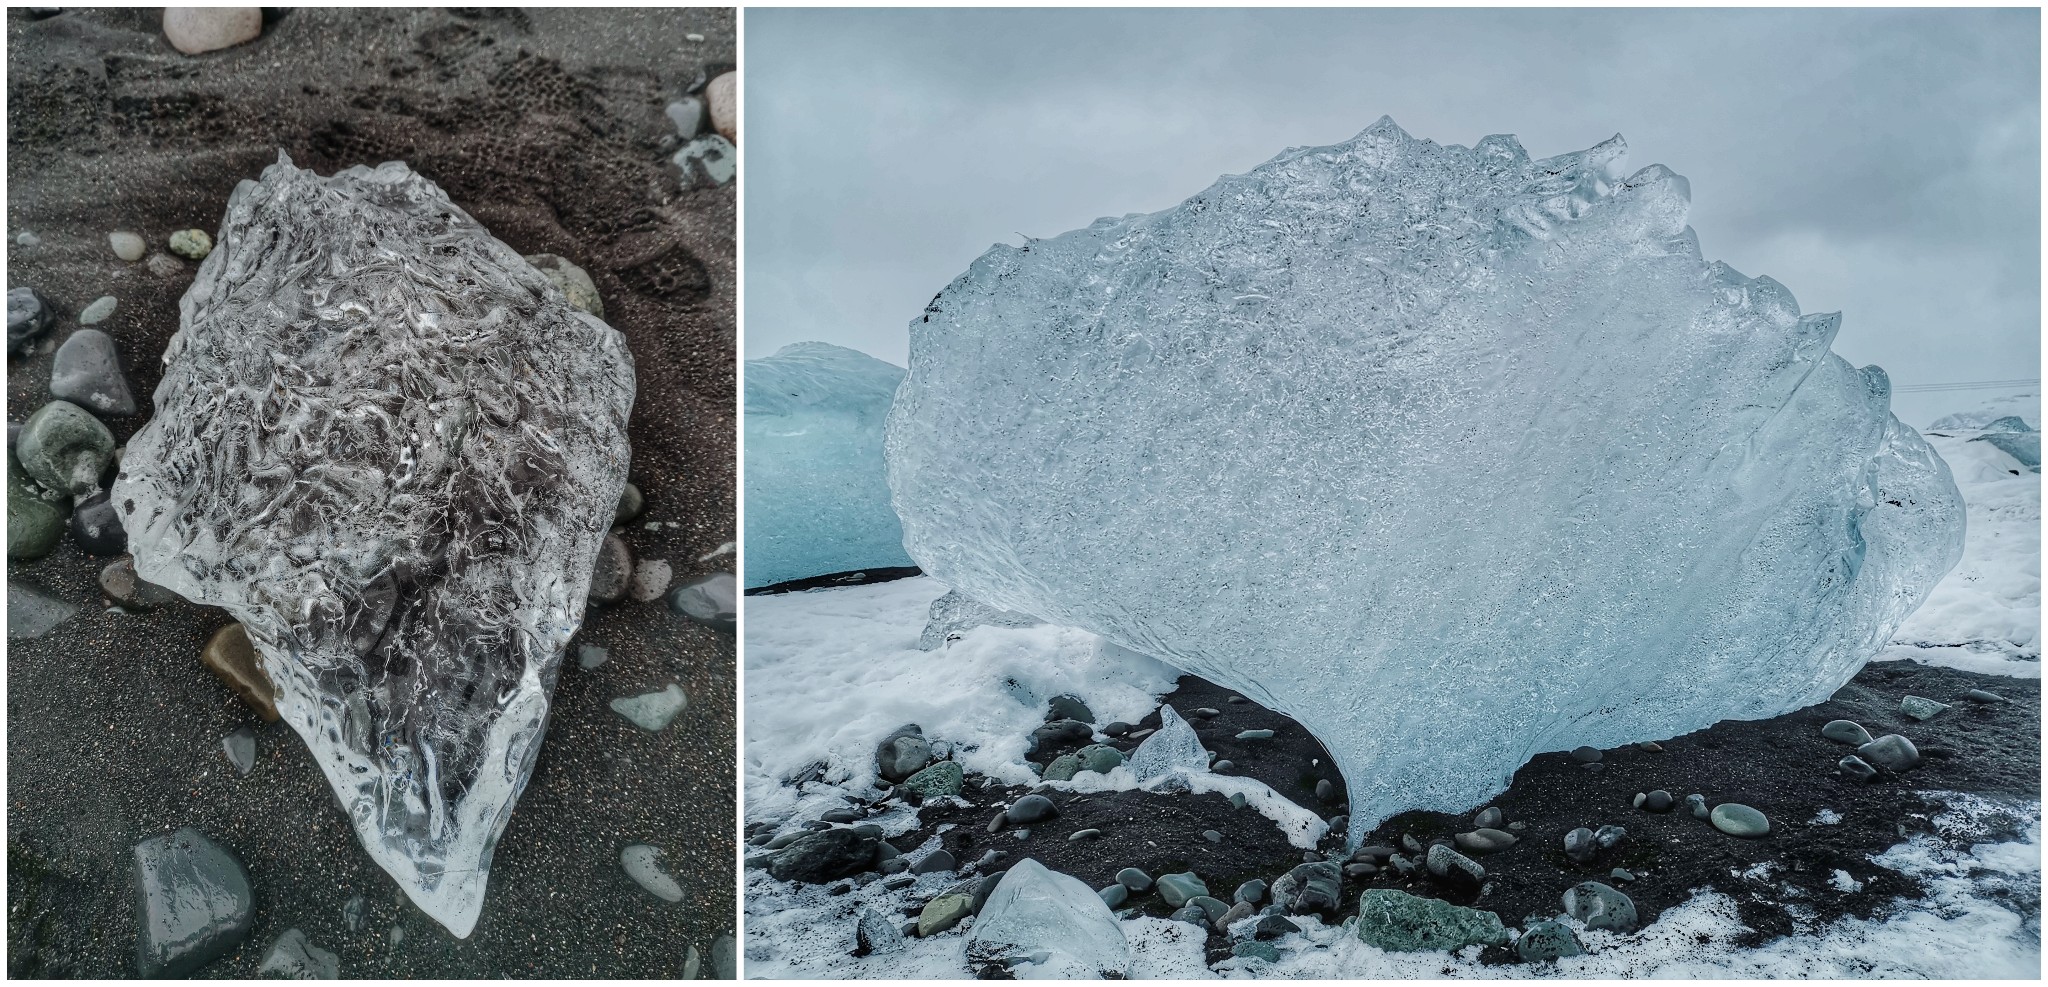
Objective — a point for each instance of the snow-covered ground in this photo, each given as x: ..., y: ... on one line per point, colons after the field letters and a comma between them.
x: 831, y: 672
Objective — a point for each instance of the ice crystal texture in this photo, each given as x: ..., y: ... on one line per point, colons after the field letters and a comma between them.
x: 953, y: 615
x: 1454, y: 456
x: 1174, y: 748
x: 1039, y: 924
x: 817, y: 495
x: 390, y: 448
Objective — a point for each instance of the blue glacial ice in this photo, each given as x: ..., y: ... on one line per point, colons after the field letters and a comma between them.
x: 817, y: 498
x: 1455, y: 456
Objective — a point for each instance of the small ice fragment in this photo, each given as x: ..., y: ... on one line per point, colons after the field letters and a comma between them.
x: 653, y: 711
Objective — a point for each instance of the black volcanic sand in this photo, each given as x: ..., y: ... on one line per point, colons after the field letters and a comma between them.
x: 1782, y: 766
x: 547, y: 126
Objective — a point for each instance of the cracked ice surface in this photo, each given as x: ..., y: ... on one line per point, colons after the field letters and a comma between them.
x: 390, y: 448
x: 1454, y: 456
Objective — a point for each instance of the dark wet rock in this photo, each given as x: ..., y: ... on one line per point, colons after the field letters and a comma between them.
x: 1891, y: 752
x: 28, y: 318
x: 1600, y: 907
x: 1487, y: 818
x: 874, y: 934
x: 1030, y: 809
x: 1115, y: 895
x: 1921, y: 707
x: 35, y: 515
x: 1981, y: 696
x: 33, y: 611
x: 1274, y: 927
x: 711, y: 600
x: 1069, y: 708
x: 1212, y: 908
x: 1454, y: 868
x: 1316, y: 887
x: 1117, y: 728
x: 1857, y: 768
x: 292, y: 957
x: 96, y: 527
x: 1578, y: 845
x: 87, y: 372
x: 1547, y: 941
x: 935, y: 862
x: 1846, y: 732
x: 230, y: 656
x: 1587, y: 755
x: 631, y: 503
x: 192, y: 903
x: 1178, y: 889
x: 945, y: 778
x: 1251, y: 892
x: 1062, y: 768
x: 121, y: 585
x: 64, y: 448
x: 1609, y: 837
x: 1100, y: 758
x: 903, y: 753
x: 1135, y: 879
x: 820, y: 858
x: 1059, y: 732
x: 613, y: 574
x: 1697, y: 805
x: 1399, y: 922
x: 1485, y: 840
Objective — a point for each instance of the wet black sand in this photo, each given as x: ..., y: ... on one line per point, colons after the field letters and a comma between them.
x: 547, y: 126
x: 1781, y: 766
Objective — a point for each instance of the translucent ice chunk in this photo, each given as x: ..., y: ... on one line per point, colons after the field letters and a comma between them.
x: 390, y: 449
x: 1042, y: 925
x: 1454, y: 456
x: 817, y: 498
x: 1173, y: 748
x: 954, y: 614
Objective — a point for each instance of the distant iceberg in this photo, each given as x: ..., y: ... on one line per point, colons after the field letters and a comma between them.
x: 817, y: 499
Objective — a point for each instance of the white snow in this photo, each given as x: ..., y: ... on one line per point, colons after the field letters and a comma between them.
x: 1985, y: 616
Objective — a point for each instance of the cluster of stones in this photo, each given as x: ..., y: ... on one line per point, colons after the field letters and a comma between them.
x: 708, y: 158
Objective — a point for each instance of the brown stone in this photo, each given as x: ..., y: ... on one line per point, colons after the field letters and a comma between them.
x: 230, y: 656
x: 723, y: 96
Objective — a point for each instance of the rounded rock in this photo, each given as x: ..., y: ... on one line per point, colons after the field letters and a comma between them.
x: 1657, y: 801
x: 198, y: 30
x: 1846, y: 732
x: 35, y: 517
x: 1697, y: 805
x: 613, y: 574
x: 631, y: 503
x: 1488, y: 818
x: 1857, y: 768
x: 230, y: 655
x: 1587, y: 755
x: 573, y: 282
x: 1891, y: 751
x: 1485, y: 840
x: 101, y: 309
x: 1031, y: 809
x: 1920, y: 707
x: 1135, y: 879
x: 1548, y: 941
x: 711, y: 600
x: 28, y: 317
x: 1600, y: 907
x: 1737, y: 819
x: 193, y: 903
x: 64, y: 448
x: 96, y: 526
x: 191, y: 244
x: 723, y: 96
x: 127, y: 246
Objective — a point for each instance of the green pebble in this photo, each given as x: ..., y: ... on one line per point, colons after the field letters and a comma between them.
x: 1737, y: 819
x: 942, y: 778
x: 1399, y: 922
x: 35, y: 517
x: 194, y: 244
x: 63, y: 447
x: 1063, y: 768
x: 1100, y: 758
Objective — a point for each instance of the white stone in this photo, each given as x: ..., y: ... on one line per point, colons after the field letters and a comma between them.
x: 197, y: 30
x: 127, y: 246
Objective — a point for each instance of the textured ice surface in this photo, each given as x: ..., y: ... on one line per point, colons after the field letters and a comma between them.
x: 389, y: 448
x: 817, y: 496
x: 1454, y: 456
x: 1174, y: 747
x: 1042, y: 925
x: 953, y: 615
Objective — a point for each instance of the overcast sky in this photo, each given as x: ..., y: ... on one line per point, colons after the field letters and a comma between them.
x: 1885, y: 164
